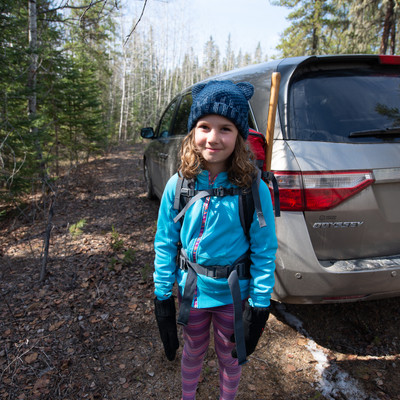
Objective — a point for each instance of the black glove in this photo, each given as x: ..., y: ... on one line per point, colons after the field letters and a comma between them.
x: 166, y: 320
x: 254, y: 320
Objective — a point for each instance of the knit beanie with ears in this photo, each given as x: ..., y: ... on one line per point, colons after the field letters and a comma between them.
x: 223, y: 98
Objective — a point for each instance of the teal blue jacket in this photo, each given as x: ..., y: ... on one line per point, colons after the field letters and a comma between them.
x: 211, y: 234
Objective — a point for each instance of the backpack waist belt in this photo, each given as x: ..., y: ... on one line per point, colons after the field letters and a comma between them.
x: 240, y: 269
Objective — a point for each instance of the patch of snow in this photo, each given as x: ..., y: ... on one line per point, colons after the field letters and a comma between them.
x: 333, y: 382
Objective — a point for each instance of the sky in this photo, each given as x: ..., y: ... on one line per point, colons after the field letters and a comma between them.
x: 249, y: 22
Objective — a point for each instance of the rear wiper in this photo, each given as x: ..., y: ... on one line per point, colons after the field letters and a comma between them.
x: 376, y: 132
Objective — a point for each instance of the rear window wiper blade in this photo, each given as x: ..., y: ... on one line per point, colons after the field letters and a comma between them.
x: 376, y: 132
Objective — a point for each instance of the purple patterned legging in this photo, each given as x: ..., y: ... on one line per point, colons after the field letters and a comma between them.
x: 197, y: 337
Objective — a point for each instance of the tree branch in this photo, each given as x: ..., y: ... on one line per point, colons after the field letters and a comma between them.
x: 82, y: 7
x: 133, y: 29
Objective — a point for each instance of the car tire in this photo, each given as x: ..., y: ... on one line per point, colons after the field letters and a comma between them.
x: 149, y: 185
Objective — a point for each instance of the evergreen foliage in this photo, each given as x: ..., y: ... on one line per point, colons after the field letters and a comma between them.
x: 340, y: 26
x: 316, y: 27
x: 94, y: 88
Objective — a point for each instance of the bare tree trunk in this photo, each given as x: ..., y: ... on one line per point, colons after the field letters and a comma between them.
x: 122, y: 110
x: 387, y: 27
x: 111, y: 97
x: 128, y: 106
x: 57, y: 147
x: 32, y: 83
x: 34, y: 59
x: 32, y: 111
x: 316, y: 31
x: 393, y: 37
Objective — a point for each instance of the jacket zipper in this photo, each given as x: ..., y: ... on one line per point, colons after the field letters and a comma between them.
x: 202, y: 229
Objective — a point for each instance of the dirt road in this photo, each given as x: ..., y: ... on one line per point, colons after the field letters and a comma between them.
x: 88, y: 332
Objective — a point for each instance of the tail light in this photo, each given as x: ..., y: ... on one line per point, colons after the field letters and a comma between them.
x: 318, y: 191
x: 393, y: 60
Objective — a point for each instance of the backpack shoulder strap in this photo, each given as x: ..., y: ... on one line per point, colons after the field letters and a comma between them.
x: 249, y: 201
x: 270, y: 177
x: 246, y: 211
x: 178, y: 189
x: 256, y: 198
x: 184, y: 191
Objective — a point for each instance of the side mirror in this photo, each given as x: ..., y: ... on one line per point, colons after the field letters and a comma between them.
x: 147, y: 133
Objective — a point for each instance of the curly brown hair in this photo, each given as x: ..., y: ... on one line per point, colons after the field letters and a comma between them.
x: 241, y: 168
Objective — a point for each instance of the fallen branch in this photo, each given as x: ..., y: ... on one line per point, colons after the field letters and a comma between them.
x: 47, y: 239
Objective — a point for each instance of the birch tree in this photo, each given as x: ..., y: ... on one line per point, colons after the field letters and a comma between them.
x: 123, y: 114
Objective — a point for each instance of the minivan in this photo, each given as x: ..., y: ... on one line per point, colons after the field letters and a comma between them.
x: 336, y: 157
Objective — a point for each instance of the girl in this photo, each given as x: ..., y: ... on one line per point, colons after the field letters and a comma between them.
x: 221, y: 271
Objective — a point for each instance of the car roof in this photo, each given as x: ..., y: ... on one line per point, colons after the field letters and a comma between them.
x: 260, y: 76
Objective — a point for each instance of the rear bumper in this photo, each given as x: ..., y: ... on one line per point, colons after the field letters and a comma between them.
x: 302, y: 279
x: 327, y: 287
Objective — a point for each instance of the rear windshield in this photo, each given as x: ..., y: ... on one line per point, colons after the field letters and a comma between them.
x: 347, y: 105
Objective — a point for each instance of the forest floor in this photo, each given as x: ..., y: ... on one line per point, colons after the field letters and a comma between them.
x: 88, y: 331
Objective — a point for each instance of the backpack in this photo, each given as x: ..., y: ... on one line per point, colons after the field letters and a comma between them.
x: 258, y: 145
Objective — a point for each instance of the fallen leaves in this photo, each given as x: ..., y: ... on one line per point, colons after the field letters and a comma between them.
x: 41, y: 385
x: 31, y: 358
x: 59, y: 337
x: 55, y: 326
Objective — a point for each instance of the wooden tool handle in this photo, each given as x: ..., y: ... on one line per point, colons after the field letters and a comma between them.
x: 273, y: 102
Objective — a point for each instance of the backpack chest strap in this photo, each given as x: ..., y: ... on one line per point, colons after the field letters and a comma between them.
x: 193, y: 195
x: 217, y: 192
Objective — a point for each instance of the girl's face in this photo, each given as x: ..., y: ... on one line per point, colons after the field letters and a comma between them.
x: 215, y: 137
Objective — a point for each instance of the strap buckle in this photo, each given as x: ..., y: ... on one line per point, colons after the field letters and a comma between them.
x: 182, y: 262
x: 221, y: 272
x: 219, y: 192
x: 243, y: 270
x: 188, y: 192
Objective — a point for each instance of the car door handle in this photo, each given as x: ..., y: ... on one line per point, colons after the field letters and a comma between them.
x: 164, y: 156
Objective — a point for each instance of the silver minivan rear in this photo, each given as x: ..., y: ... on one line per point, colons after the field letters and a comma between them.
x: 336, y: 156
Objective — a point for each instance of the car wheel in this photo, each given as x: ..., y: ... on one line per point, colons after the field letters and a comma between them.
x: 149, y: 185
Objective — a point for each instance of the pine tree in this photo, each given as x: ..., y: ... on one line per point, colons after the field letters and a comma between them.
x: 229, y: 60
x: 312, y: 28
x: 362, y: 35
x: 211, y: 59
x: 87, y: 82
x: 13, y: 116
x: 340, y: 26
x: 25, y: 92
x: 258, y: 57
x: 373, y: 26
